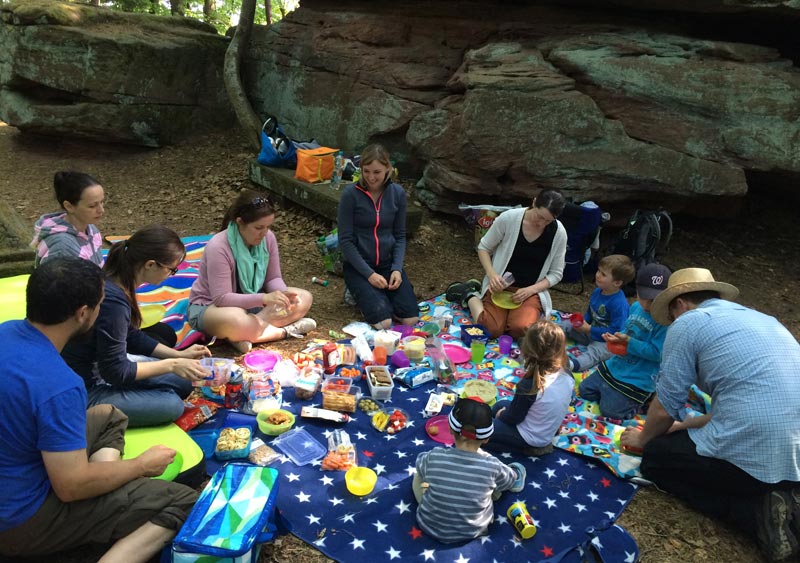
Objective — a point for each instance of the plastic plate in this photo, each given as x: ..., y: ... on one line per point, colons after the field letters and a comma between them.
x: 457, y: 353
x: 503, y: 299
x: 173, y: 469
x: 442, y: 432
x: 151, y: 314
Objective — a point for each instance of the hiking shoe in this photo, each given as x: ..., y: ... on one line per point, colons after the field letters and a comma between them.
x: 773, y: 525
x: 544, y: 450
x: 519, y: 484
x: 301, y: 327
x: 460, y: 292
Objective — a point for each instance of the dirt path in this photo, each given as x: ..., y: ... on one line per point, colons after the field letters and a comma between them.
x: 188, y: 187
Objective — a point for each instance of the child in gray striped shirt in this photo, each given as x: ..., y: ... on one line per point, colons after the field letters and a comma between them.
x: 456, y: 487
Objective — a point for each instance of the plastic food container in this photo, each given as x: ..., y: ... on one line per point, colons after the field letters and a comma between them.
x: 473, y: 332
x: 240, y: 437
x: 380, y: 383
x: 414, y: 347
x: 271, y: 429
x: 300, y: 446
x: 360, y: 481
x: 388, y: 339
x: 336, y: 383
x: 220, y: 369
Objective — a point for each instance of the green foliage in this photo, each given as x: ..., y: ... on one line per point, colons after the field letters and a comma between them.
x: 224, y: 14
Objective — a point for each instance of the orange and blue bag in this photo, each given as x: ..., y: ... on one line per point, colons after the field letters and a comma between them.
x: 315, y: 165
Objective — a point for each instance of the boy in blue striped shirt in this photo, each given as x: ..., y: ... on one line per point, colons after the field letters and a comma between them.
x: 456, y: 487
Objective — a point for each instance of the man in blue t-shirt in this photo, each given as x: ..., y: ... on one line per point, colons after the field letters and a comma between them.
x: 62, y: 480
x: 737, y: 462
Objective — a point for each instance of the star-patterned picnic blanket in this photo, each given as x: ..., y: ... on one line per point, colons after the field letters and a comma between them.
x: 573, y: 500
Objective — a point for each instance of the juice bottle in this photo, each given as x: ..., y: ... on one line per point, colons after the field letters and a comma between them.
x: 330, y: 357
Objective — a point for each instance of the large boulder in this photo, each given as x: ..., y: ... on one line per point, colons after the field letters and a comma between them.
x: 498, y: 103
x: 70, y: 69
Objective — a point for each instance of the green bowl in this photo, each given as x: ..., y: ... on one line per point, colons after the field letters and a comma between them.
x: 431, y: 328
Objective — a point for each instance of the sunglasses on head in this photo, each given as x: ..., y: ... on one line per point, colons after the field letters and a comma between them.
x: 259, y: 202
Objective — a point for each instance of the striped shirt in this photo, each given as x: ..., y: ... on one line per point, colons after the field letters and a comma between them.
x: 750, y: 365
x: 457, y: 504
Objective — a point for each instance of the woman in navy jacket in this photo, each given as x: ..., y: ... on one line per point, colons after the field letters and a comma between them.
x: 372, y: 238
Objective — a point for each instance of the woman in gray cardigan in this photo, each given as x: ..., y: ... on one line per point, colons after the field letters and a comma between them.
x: 530, y: 243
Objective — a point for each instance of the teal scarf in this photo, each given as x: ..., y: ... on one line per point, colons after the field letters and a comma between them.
x: 251, y: 263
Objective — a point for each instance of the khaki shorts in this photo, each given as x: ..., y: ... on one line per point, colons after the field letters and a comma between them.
x: 59, y: 526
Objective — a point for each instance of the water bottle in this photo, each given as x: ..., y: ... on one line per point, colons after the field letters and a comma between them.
x: 338, y: 164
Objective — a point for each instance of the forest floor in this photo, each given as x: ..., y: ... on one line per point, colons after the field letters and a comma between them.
x: 188, y: 187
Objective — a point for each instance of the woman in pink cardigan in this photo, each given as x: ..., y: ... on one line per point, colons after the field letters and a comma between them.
x: 239, y: 293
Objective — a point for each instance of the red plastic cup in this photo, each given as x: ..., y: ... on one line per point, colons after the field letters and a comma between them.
x: 576, y: 319
x: 618, y: 348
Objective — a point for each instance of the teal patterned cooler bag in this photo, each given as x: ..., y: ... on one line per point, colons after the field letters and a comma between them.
x: 232, y: 517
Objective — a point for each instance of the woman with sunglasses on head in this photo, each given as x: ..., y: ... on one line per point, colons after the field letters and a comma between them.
x: 72, y: 231
x: 150, y: 385
x: 239, y: 293
x: 372, y: 237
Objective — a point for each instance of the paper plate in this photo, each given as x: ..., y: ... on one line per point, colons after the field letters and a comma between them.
x: 503, y: 299
x: 443, y: 435
x: 457, y: 353
x: 151, y: 314
x: 173, y: 469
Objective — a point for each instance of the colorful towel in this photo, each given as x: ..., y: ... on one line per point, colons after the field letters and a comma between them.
x: 173, y: 293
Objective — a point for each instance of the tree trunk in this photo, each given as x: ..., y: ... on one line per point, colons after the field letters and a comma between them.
x: 208, y: 8
x: 268, y: 11
x: 177, y: 7
x: 248, y: 119
x: 95, y: 2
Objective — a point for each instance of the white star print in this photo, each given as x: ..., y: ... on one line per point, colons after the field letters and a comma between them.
x: 372, y: 500
x: 327, y: 481
x: 302, y: 497
x: 293, y: 477
x: 312, y: 519
x: 327, y: 433
x: 413, y: 399
x: 622, y: 501
x: 596, y: 542
x: 461, y: 559
x: 410, y: 469
x: 379, y: 468
x: 391, y: 487
x: 402, y: 507
x: 535, y: 485
x: 393, y: 553
x: 335, y: 501
x: 348, y: 518
x: 484, y: 539
x: 563, y: 494
x: 399, y: 454
x: 505, y: 455
x: 361, y: 436
x: 610, y: 514
x: 580, y: 507
x: 515, y: 541
x: 357, y: 543
x: 379, y: 526
x: 550, y: 473
x: 389, y: 437
x: 578, y: 477
x: 320, y: 542
x: 565, y: 528
x: 550, y: 503
x: 418, y: 442
x: 593, y: 496
x: 428, y: 555
x: 562, y: 461
x: 630, y: 557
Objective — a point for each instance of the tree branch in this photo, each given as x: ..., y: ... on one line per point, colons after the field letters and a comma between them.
x: 247, y: 118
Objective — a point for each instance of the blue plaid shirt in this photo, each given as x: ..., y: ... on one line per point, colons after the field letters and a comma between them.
x: 750, y: 365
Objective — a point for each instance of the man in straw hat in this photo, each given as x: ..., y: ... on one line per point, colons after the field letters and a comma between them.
x: 738, y: 462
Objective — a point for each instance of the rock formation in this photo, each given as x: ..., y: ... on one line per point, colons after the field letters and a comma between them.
x: 70, y: 69
x: 491, y: 101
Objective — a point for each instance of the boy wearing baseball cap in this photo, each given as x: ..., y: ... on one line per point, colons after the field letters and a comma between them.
x: 456, y: 487
x: 625, y: 381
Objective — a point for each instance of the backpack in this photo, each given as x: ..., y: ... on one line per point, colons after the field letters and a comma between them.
x: 644, y: 240
x: 276, y: 148
x: 582, y: 223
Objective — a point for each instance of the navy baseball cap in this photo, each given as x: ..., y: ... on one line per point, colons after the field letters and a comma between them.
x: 651, y: 280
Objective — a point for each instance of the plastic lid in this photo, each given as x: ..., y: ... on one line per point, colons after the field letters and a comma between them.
x: 300, y: 446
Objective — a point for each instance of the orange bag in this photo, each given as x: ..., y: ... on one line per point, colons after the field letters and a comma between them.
x: 315, y: 165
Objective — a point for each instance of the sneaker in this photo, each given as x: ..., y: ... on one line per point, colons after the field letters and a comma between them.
x: 519, y: 484
x: 459, y: 292
x: 773, y: 525
x: 301, y: 327
x: 348, y: 298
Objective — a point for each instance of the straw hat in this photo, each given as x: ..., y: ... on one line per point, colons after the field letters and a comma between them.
x: 688, y: 280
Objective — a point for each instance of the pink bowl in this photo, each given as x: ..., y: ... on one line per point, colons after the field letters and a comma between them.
x: 261, y: 360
